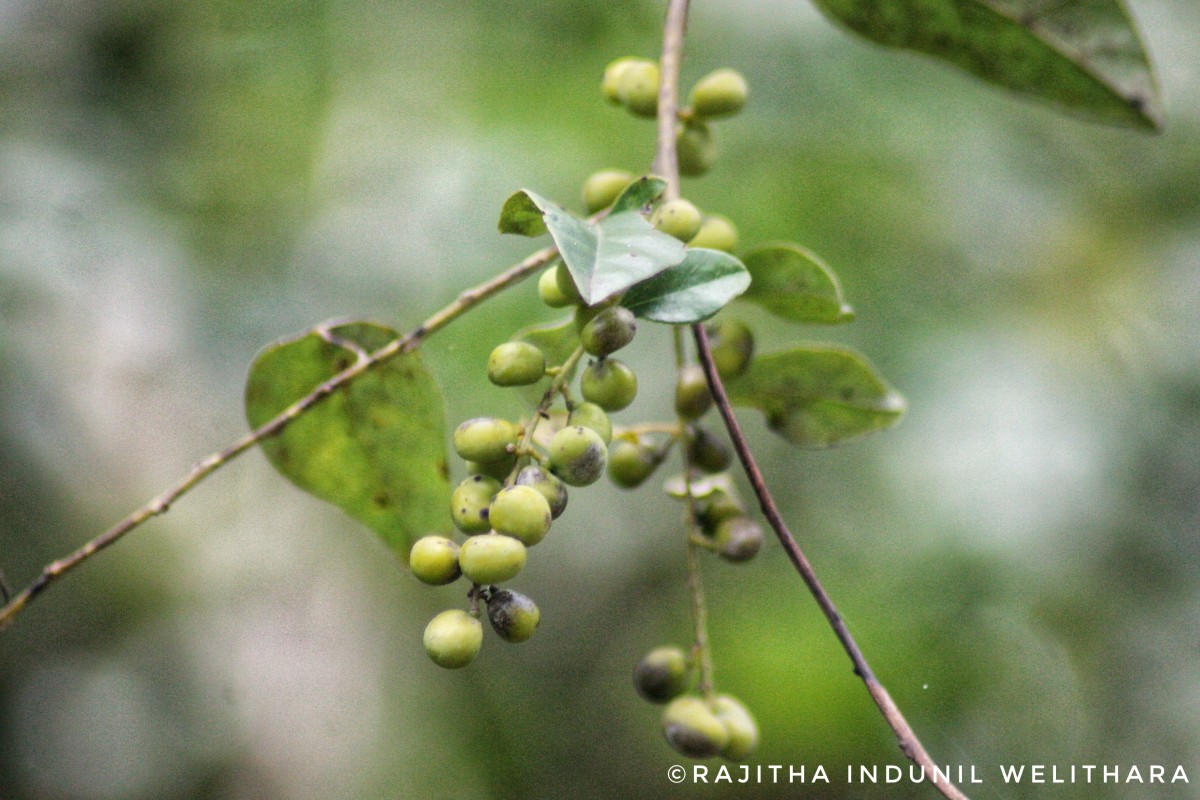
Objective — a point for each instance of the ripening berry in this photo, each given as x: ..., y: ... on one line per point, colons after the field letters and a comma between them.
x: 719, y: 94
x: 630, y: 463
x: 434, y: 560
x: 692, y: 729
x: 637, y: 87
x: 706, y: 451
x: 732, y: 346
x: 613, y: 73
x: 608, y: 331
x: 590, y: 415
x: 609, y: 384
x: 577, y: 455
x: 516, y: 364
x: 716, y: 233
x: 522, y: 513
x: 484, y: 439
x: 549, y: 486
x: 692, y: 397
x: 661, y: 675
x: 491, y: 558
x: 470, y: 502
x: 513, y: 615
x: 738, y: 538
x: 602, y: 188
x: 739, y: 724
x: 453, y: 638
x: 679, y: 218
x: 695, y: 148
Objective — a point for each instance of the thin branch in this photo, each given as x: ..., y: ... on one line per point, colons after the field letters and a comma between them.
x: 674, y: 30
x: 202, y: 469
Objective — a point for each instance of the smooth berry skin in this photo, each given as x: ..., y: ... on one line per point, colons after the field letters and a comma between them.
x: 692, y: 729
x: 434, y: 560
x: 491, y: 558
x: 631, y: 463
x: 695, y: 148
x: 453, y: 638
x: 720, y: 93
x: 732, y: 346
x: 739, y: 724
x: 549, y: 292
x: 602, y: 188
x: 516, y: 364
x: 485, y: 439
x: 590, y: 415
x: 612, y: 75
x: 522, y: 513
x: 738, y: 538
x: 692, y: 397
x: 609, y: 384
x: 706, y: 451
x: 637, y: 87
x: 715, y: 508
x: 678, y: 218
x: 661, y: 675
x: 716, y: 233
x: 514, y: 616
x: 608, y: 331
x: 470, y: 503
x: 577, y: 455
x: 549, y: 486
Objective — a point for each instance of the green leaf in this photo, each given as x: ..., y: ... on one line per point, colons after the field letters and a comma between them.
x: 557, y: 341
x: 639, y: 194
x: 817, y: 395
x: 375, y: 448
x: 792, y: 283
x: 604, y: 258
x: 691, y: 291
x: 1083, y: 55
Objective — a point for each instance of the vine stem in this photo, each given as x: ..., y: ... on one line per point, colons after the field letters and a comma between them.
x: 202, y: 469
x: 666, y: 164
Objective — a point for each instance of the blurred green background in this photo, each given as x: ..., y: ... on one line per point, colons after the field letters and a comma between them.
x: 181, y: 183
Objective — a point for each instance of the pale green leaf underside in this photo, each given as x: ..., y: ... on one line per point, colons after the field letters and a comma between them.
x: 818, y: 395
x: 691, y: 291
x: 1083, y: 55
x: 792, y: 283
x: 375, y: 448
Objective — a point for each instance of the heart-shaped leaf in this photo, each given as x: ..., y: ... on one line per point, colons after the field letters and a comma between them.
x: 690, y: 291
x: 817, y: 395
x: 792, y: 283
x: 375, y: 447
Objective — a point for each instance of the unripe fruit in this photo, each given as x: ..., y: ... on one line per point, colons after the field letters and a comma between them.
x: 549, y: 486
x: 513, y: 615
x: 716, y: 233
x: 549, y: 292
x: 516, y: 364
x: 631, y: 463
x: 692, y: 397
x: 692, y: 729
x: 739, y: 724
x: 522, y: 513
x: 695, y: 148
x: 453, y: 638
x: 719, y: 94
x: 590, y: 415
x: 732, y: 346
x: 661, y: 675
x: 608, y: 331
x: 738, y: 538
x: 491, y: 558
x: 637, y: 87
x: 499, y: 470
x: 609, y: 384
x: 716, y: 507
x: 577, y: 455
x: 613, y: 73
x: 434, y: 560
x: 679, y: 218
x: 566, y: 284
x: 484, y: 439
x: 602, y: 188
x: 470, y: 502
x: 706, y: 451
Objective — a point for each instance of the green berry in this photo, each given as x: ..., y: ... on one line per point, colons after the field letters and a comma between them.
x: 739, y: 724
x: 500, y: 470
x: 513, y: 615
x: 661, y: 675
x: 590, y: 415
x: 738, y: 538
x: 549, y: 486
x: 706, y: 451
x: 434, y: 560
x: 470, y: 501
x: 716, y: 507
x: 516, y: 364
x: 522, y: 513
x: 679, y: 218
x: 716, y: 233
x: 566, y: 284
x: 630, y: 463
x: 453, y: 638
x: 719, y: 94
x: 609, y: 384
x: 692, y: 397
x: 577, y: 455
x: 602, y: 188
x: 613, y: 73
x: 695, y: 148
x: 484, y: 439
x: 692, y: 729
x: 608, y: 331
x: 491, y: 558
x: 732, y: 346
x: 637, y: 87
x: 549, y: 292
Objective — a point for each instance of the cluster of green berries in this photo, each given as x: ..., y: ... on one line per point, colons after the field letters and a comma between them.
x: 679, y: 218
